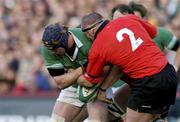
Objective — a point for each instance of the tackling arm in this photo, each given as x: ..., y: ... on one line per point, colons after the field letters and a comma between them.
x: 112, y: 77
x: 68, y: 79
x: 83, y: 82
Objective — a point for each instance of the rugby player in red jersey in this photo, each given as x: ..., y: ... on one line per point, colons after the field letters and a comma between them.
x: 127, y: 42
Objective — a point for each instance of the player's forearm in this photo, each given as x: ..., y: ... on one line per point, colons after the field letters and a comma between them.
x: 66, y: 80
x: 83, y: 82
x: 84, y: 79
x: 112, y: 77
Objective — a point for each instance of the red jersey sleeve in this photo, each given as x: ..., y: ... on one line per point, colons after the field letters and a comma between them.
x: 94, y: 68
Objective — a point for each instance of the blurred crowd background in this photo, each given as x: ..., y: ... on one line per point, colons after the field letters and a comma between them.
x: 22, y: 22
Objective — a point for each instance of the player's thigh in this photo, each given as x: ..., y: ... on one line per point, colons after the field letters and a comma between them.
x: 121, y: 96
x: 118, y: 107
x: 66, y: 110
x: 112, y: 118
x: 135, y: 116
x: 97, y: 110
x: 152, y: 95
x: 83, y: 114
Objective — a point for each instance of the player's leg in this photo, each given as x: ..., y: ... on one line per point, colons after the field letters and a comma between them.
x: 97, y: 111
x: 67, y: 106
x: 121, y: 96
x: 64, y: 112
x: 83, y: 114
x: 150, y: 97
x: 118, y: 107
x: 135, y: 116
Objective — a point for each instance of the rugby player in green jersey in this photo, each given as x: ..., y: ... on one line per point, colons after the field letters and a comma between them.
x: 64, y: 51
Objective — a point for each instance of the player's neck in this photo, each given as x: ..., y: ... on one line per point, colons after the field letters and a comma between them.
x: 70, y: 41
x: 71, y: 46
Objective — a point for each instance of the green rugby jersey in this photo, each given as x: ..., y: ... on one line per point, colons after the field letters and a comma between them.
x: 82, y: 44
x: 165, y: 39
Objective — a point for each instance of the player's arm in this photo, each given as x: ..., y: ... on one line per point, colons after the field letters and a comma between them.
x: 67, y: 79
x: 56, y: 69
x: 64, y: 78
x: 94, y: 71
x: 112, y: 77
x: 170, y: 41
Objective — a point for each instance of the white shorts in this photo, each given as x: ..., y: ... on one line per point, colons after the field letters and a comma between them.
x: 70, y: 96
x: 114, y: 89
x: 109, y: 93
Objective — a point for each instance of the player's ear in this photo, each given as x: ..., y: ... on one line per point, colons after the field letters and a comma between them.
x: 93, y: 31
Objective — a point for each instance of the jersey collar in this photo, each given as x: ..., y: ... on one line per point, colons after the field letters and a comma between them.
x: 79, y: 44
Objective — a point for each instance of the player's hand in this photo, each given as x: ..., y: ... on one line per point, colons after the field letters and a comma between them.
x: 70, y: 70
x: 83, y: 82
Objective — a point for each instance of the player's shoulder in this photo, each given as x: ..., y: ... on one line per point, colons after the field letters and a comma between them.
x: 43, y: 50
x: 164, y: 33
x: 47, y: 54
x: 163, y: 30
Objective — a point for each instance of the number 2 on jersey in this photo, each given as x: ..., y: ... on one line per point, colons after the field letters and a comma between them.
x: 135, y: 43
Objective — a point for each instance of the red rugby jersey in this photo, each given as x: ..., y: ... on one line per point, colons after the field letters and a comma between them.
x: 125, y: 42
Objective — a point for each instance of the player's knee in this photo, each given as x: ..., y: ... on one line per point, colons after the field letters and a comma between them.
x: 56, y: 118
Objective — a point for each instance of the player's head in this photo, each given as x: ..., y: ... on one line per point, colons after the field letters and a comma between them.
x: 138, y: 9
x: 55, y: 38
x: 90, y: 23
x: 121, y: 10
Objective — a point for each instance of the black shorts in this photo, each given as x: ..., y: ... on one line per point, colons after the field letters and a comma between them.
x: 154, y: 94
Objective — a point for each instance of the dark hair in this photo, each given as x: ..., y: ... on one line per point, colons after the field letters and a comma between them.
x: 124, y: 9
x: 139, y: 8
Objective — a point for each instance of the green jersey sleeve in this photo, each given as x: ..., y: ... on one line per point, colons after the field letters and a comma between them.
x: 51, y: 61
x: 165, y: 38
